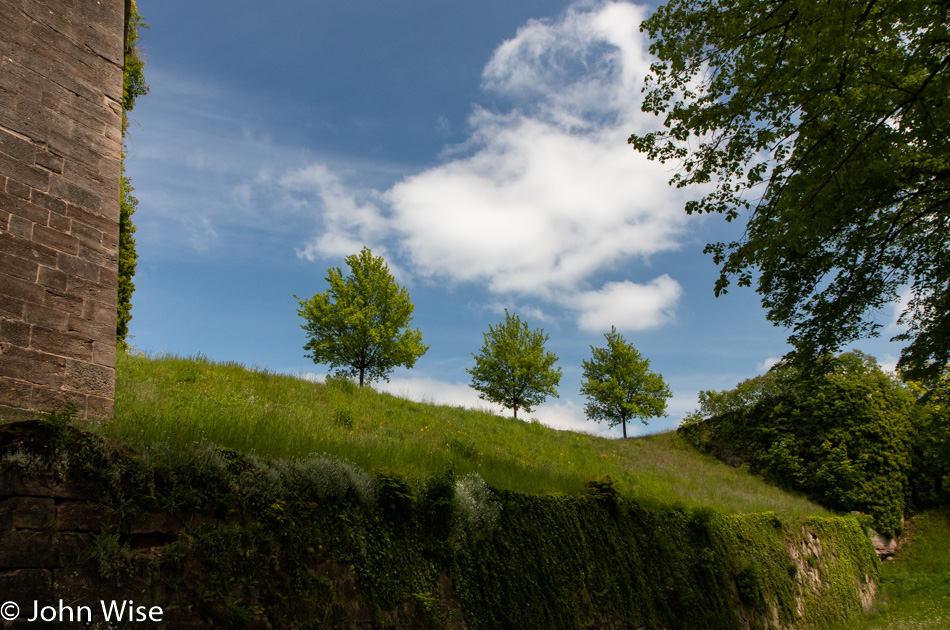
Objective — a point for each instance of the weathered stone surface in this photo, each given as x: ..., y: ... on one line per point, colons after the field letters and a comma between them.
x: 16, y: 483
x: 18, y: 267
x: 24, y: 248
x: 883, y: 545
x: 55, y: 240
x: 89, y: 378
x: 20, y: 289
x: 14, y: 391
x: 11, y: 307
x: 85, y: 516
x: 63, y: 301
x: 17, y: 147
x: 52, y: 278
x: 60, y: 150
x: 58, y: 222
x: 97, y: 331
x: 59, y: 399
x: 149, y: 523
x: 103, y: 354
x: 32, y: 366
x: 54, y: 205
x: 25, y: 585
x: 26, y: 549
x: 84, y: 585
x: 27, y: 513
x: 15, y: 332
x: 62, y: 344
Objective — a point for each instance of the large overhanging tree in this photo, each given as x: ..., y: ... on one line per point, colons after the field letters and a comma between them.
x: 825, y: 126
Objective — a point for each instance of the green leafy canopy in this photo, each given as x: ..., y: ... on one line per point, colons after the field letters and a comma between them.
x: 843, y: 435
x: 620, y: 386
x: 512, y: 368
x: 360, y: 325
x: 826, y: 127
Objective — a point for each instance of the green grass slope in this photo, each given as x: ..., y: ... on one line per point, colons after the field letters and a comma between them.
x: 916, y: 583
x: 186, y: 403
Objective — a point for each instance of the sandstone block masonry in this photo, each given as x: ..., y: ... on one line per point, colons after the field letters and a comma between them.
x: 60, y: 170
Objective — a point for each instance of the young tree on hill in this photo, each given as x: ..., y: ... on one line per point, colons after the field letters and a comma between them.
x: 513, y: 369
x: 825, y: 128
x: 618, y: 381
x: 360, y: 325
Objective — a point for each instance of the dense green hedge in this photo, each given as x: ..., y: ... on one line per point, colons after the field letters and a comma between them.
x: 843, y: 438
x: 930, y: 451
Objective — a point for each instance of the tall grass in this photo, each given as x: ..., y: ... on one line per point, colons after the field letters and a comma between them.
x: 184, y: 403
x: 916, y: 583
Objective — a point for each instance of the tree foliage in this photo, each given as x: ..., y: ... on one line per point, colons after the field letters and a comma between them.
x: 826, y: 127
x: 360, y: 326
x: 133, y: 86
x: 620, y: 386
x: 843, y: 437
x: 512, y: 368
x: 930, y: 475
x: 781, y: 379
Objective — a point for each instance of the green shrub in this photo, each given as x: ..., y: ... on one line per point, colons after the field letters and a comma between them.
x: 395, y: 496
x: 476, y: 510
x: 343, y: 416
x: 843, y: 438
x: 930, y: 458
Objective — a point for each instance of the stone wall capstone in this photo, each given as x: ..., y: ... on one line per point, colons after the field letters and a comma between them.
x: 61, y: 65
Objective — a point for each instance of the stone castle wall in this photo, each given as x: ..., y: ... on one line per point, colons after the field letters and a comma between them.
x: 60, y: 150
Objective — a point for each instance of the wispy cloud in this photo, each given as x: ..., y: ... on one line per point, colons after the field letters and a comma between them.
x: 206, y: 177
x: 351, y: 218
x: 546, y: 194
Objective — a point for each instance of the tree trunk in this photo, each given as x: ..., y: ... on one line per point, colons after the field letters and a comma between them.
x: 362, y: 370
x: 624, y: 421
x: 516, y: 412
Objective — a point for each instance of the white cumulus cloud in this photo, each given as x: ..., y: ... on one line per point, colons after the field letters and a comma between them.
x: 546, y: 193
x: 551, y: 193
x: 628, y: 306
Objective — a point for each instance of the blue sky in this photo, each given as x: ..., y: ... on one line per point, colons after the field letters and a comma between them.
x: 479, y: 147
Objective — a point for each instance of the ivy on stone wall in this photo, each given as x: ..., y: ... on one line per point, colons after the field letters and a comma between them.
x: 133, y: 86
x: 317, y: 542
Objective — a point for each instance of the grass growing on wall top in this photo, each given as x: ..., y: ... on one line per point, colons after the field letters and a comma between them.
x: 192, y: 402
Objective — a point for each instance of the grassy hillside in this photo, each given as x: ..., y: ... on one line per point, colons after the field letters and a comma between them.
x: 184, y: 403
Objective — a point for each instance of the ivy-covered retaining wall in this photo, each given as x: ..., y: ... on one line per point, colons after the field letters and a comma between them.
x: 217, y: 539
